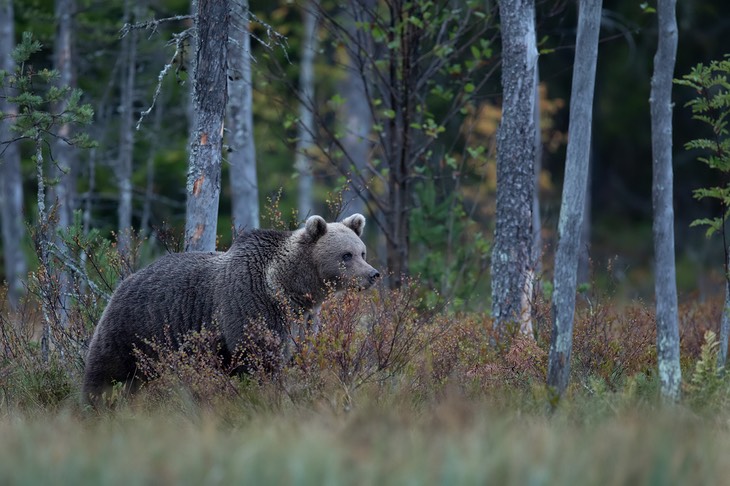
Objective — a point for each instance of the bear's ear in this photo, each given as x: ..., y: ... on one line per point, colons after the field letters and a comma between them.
x: 356, y: 223
x: 315, y: 227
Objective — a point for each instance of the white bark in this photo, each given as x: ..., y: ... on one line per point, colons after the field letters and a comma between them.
x: 512, y: 254
x: 665, y: 282
x: 724, y: 324
x: 574, y: 192
x: 536, y: 221
x: 209, y: 99
x: 64, y: 166
x: 11, y: 183
x: 126, y: 134
x: 305, y: 140
x: 244, y: 184
x: 356, y: 116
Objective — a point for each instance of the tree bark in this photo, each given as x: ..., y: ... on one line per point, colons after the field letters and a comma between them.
x: 11, y: 183
x: 244, y: 184
x: 356, y: 116
x: 725, y: 321
x: 512, y: 262
x: 665, y: 281
x: 305, y: 140
x: 64, y: 166
x: 209, y: 98
x: 574, y: 192
x: 126, y: 133
x: 536, y: 221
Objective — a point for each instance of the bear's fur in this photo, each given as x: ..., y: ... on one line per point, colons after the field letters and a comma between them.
x: 264, y: 275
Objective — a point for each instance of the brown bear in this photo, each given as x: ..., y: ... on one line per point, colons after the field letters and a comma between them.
x: 266, y: 275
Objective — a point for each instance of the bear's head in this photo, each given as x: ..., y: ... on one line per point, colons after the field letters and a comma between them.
x: 339, y: 253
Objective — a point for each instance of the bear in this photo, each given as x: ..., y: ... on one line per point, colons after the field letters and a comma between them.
x: 265, y: 274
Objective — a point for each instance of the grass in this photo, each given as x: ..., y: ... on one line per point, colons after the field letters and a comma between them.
x: 389, y: 392
x: 451, y: 442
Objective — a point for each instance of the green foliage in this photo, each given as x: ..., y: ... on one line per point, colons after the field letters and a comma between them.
x: 451, y: 250
x: 711, y: 106
x: 709, y: 383
x: 43, y: 105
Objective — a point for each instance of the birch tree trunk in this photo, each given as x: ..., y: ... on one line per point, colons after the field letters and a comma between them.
x: 209, y: 100
x: 512, y: 253
x: 665, y: 281
x: 355, y: 114
x: 305, y: 141
x: 244, y: 184
x: 574, y: 192
x: 536, y: 221
x: 725, y: 320
x: 11, y: 182
x: 126, y: 133
x: 64, y: 167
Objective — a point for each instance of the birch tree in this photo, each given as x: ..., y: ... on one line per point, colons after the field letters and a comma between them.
x: 244, y: 184
x: 574, y: 192
x: 11, y: 183
x: 306, y: 128
x: 355, y: 115
x: 126, y: 133
x: 512, y: 254
x: 62, y: 193
x: 210, y: 96
x: 665, y: 282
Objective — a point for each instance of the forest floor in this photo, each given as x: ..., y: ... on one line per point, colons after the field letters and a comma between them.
x: 454, y: 441
x: 416, y: 396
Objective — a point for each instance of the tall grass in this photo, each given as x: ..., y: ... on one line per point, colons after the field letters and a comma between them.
x: 390, y: 391
x: 452, y: 442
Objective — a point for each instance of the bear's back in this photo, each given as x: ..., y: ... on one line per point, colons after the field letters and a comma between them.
x: 173, y: 291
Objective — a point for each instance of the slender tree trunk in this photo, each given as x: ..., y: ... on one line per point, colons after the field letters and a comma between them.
x: 11, y: 182
x: 210, y: 96
x: 355, y: 114
x: 43, y: 235
x: 512, y: 253
x: 725, y: 320
x: 244, y: 184
x: 145, y: 224
x: 536, y: 221
x: 574, y: 192
x: 64, y: 166
x: 126, y: 133
x: 665, y: 281
x: 305, y: 143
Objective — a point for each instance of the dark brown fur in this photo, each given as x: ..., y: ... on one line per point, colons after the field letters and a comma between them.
x: 187, y: 291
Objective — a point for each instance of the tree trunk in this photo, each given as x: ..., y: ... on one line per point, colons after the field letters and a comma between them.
x: 305, y: 141
x: 574, y: 192
x: 536, y: 221
x: 725, y: 320
x: 356, y: 116
x: 126, y: 133
x: 11, y: 182
x: 244, y: 184
x: 665, y: 281
x: 209, y: 98
x: 512, y: 252
x: 662, y: 187
x: 145, y: 224
x: 64, y: 167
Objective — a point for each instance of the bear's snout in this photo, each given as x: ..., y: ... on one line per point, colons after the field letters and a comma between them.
x: 375, y: 275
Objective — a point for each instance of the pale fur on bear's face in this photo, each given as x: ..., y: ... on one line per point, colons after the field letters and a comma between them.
x: 339, y: 253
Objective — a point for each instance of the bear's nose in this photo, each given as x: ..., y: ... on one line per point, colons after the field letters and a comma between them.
x: 375, y: 275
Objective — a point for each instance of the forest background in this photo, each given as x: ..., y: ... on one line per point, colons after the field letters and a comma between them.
x: 443, y: 397
x: 618, y: 217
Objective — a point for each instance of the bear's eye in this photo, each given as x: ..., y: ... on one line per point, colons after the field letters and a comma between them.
x: 363, y: 255
x: 347, y: 257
